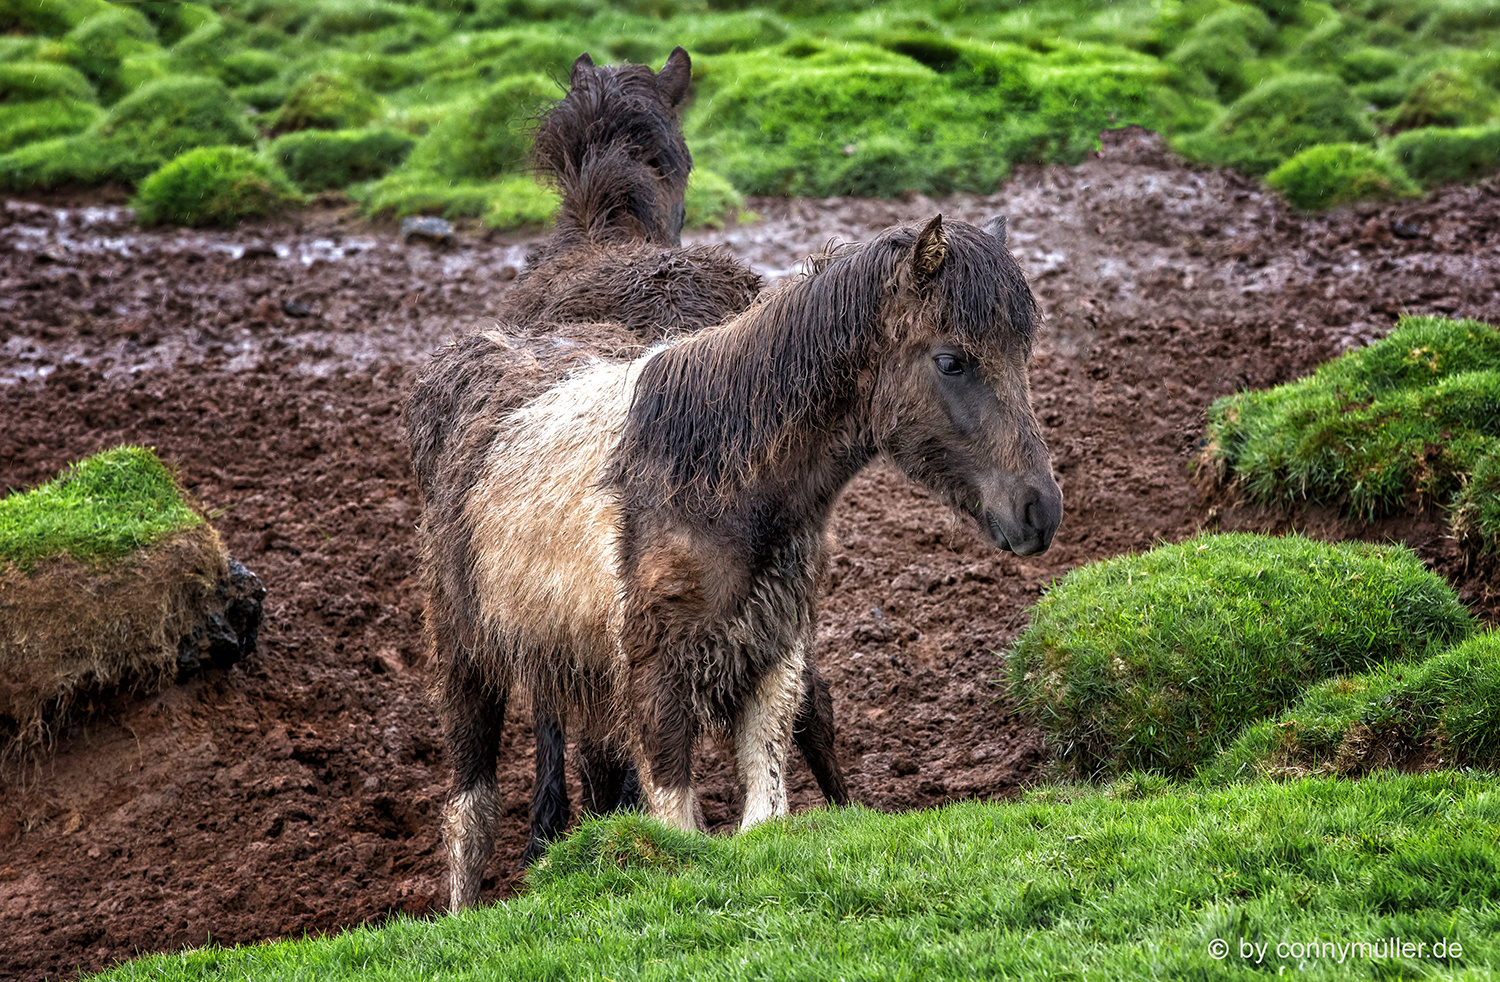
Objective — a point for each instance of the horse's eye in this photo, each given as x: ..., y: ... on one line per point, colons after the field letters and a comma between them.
x: 949, y: 365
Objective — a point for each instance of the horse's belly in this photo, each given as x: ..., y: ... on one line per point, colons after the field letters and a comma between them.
x: 545, y: 532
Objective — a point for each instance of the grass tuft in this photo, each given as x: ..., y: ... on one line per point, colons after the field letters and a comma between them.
x: 711, y: 200
x: 1403, y: 421
x: 1442, y: 156
x: 213, y: 186
x: 1157, y: 661
x: 1334, y: 174
x: 99, y: 509
x: 1446, y: 97
x: 1442, y: 712
x: 326, y: 101
x: 28, y: 122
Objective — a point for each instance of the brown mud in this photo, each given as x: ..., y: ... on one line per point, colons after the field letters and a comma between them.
x: 298, y: 790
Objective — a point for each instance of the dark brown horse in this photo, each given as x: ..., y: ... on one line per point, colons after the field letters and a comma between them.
x: 614, y: 149
x: 639, y: 547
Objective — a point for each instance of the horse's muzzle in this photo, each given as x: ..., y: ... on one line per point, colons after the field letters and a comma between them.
x: 1027, y: 527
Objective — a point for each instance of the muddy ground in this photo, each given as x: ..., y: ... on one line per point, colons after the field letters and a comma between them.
x: 298, y: 791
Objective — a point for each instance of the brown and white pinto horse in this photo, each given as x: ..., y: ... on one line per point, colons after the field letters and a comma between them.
x: 639, y: 547
x: 614, y: 149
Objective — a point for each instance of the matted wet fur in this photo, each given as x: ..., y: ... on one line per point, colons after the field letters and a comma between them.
x: 640, y: 546
x: 67, y: 629
x: 614, y: 148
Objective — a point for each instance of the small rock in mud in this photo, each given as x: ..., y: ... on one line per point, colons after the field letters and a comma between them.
x: 428, y: 228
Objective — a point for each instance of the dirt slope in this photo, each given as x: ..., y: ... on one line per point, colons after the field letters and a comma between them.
x: 298, y: 791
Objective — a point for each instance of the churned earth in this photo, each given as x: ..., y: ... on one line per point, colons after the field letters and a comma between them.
x: 299, y: 790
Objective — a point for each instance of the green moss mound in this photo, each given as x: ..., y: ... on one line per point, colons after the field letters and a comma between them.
x: 27, y: 122
x: 1476, y: 507
x: 1404, y: 420
x: 1158, y: 661
x: 1334, y: 174
x: 113, y: 48
x: 1446, y: 97
x: 327, y: 101
x: 1279, y: 118
x: 320, y: 159
x: 470, y: 163
x: 99, y: 509
x: 711, y: 200
x: 27, y: 81
x: 1442, y: 712
x: 162, y: 119
x: 213, y: 186
x: 1437, y: 156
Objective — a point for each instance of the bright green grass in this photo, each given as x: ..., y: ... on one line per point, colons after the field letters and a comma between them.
x: 101, y: 508
x: 1130, y: 883
x: 1448, y: 703
x: 823, y: 97
x: 1406, y: 419
x: 1158, y: 661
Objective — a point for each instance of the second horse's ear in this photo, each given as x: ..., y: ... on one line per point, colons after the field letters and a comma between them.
x: 996, y: 227
x: 931, y: 249
x: 674, y: 77
x: 583, y: 62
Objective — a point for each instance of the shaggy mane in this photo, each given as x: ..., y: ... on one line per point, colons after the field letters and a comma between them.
x: 594, y: 145
x: 710, y: 410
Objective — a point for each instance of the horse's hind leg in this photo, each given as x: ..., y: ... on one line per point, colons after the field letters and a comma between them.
x: 550, y: 811
x: 608, y: 776
x: 815, y: 735
x: 761, y: 737
x: 473, y: 715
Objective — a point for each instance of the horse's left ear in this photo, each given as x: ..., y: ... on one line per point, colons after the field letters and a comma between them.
x: 674, y: 76
x: 932, y: 248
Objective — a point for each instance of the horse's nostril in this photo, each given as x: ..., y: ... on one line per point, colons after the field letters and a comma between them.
x: 1034, y: 514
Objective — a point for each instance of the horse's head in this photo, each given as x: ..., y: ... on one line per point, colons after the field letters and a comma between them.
x: 952, y: 402
x: 615, y: 147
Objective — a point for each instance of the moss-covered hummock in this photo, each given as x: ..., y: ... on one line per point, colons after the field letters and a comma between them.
x: 1442, y: 712
x: 98, y: 510
x: 1406, y: 420
x: 1333, y: 174
x: 213, y: 186
x: 108, y: 580
x: 1158, y: 661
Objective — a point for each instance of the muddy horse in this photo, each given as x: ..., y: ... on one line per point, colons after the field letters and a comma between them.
x: 639, y: 547
x: 614, y: 149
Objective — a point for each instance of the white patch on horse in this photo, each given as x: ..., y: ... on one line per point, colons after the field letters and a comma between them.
x: 763, y: 735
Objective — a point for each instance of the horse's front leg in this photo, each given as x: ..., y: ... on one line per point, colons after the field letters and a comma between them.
x: 668, y: 730
x: 762, y: 735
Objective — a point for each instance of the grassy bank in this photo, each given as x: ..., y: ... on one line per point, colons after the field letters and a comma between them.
x: 825, y: 98
x: 1413, y: 420
x: 1132, y: 882
x: 101, y: 508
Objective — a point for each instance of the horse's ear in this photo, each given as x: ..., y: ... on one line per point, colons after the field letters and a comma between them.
x: 996, y: 227
x: 674, y: 76
x: 932, y: 248
x: 583, y: 62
